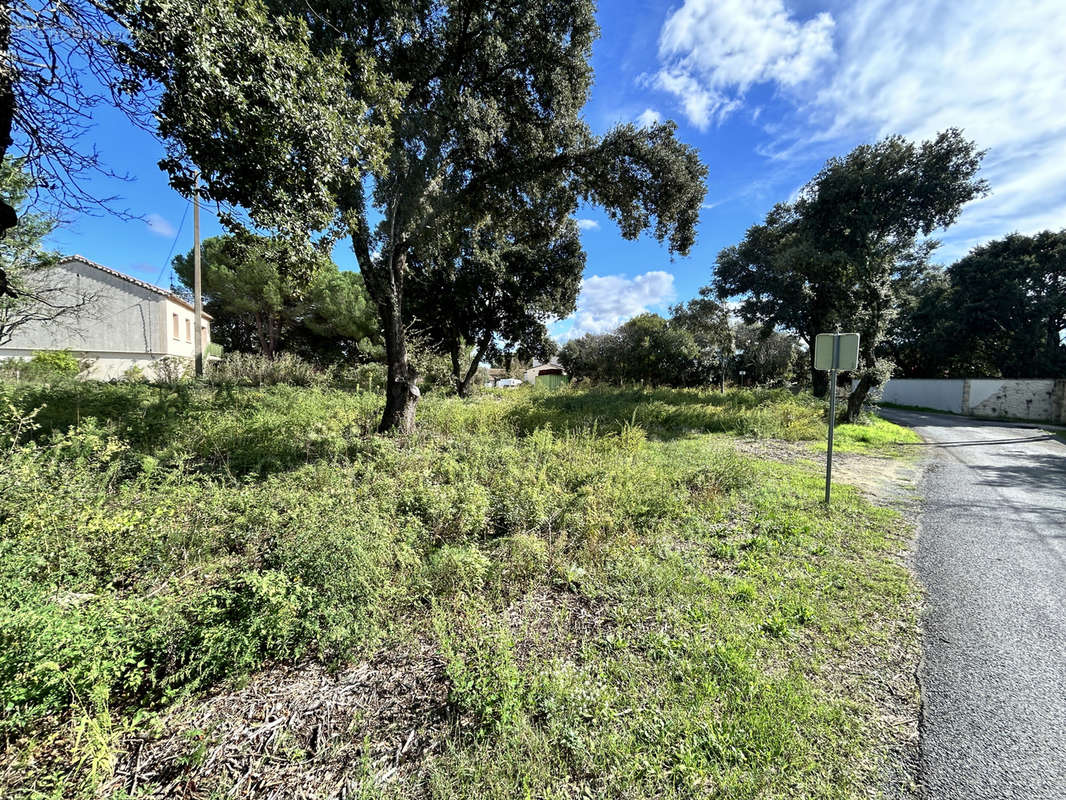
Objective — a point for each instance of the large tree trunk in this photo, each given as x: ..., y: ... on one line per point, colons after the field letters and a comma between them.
x: 384, y: 281
x: 858, y: 396
x: 401, y: 390
x: 867, y: 381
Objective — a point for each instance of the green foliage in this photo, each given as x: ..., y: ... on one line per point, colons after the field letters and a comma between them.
x: 767, y: 357
x: 268, y: 120
x: 496, y: 289
x: 1006, y: 315
x: 172, y: 370
x: 485, y: 680
x: 841, y: 255
x: 61, y: 362
x: 455, y: 569
x: 250, y: 369
x: 649, y: 349
x: 564, y: 556
x: 267, y: 296
x: 45, y: 366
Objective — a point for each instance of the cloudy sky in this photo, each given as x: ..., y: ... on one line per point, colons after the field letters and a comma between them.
x: 766, y: 90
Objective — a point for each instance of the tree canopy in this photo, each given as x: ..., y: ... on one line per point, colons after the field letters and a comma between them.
x: 471, y: 113
x: 497, y: 292
x: 259, y: 306
x: 647, y: 349
x: 837, y: 257
x: 999, y: 311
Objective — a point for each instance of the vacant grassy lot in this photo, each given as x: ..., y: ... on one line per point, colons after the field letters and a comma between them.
x: 591, y: 593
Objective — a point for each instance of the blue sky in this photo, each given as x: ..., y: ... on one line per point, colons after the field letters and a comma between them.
x: 766, y: 90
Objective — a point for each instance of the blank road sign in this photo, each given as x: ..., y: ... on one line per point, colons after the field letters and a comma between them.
x: 824, y: 347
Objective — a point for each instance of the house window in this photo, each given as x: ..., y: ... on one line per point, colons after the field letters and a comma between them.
x: 188, y: 330
x: 176, y: 334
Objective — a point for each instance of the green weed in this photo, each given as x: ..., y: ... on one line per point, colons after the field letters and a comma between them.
x: 623, y: 605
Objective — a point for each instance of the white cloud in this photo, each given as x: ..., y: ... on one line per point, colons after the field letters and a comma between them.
x: 648, y: 117
x: 913, y: 67
x: 588, y: 224
x: 990, y: 67
x: 607, y: 301
x: 712, y: 51
x: 159, y: 225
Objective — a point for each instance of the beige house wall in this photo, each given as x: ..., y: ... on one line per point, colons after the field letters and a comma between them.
x: 124, y: 324
x: 182, y: 344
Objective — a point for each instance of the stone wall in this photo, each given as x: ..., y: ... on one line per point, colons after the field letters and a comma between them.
x: 1018, y: 399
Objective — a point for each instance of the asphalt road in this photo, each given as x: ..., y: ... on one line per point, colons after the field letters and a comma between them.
x: 992, y: 556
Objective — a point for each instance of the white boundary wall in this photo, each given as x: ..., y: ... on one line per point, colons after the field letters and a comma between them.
x: 1037, y: 400
x: 945, y: 394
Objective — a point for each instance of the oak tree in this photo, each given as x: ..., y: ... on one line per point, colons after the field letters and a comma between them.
x: 435, y: 118
x: 835, y: 258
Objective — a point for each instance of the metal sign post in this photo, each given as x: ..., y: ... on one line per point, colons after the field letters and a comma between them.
x: 832, y: 416
x: 834, y: 352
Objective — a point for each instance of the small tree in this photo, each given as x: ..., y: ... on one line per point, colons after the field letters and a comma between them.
x: 769, y: 357
x: 497, y: 292
x: 834, y: 257
x: 708, y: 323
x: 646, y: 349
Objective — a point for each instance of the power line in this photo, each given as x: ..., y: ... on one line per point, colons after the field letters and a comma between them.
x: 166, y: 261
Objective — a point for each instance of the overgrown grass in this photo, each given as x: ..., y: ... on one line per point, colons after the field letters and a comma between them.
x: 159, y: 543
x: 875, y: 435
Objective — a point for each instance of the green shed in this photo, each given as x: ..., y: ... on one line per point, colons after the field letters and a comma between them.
x: 551, y: 380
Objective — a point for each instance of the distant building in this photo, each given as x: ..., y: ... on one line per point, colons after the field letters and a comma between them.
x: 550, y: 375
x: 126, y: 322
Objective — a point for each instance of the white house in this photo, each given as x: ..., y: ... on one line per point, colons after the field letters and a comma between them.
x: 125, y: 323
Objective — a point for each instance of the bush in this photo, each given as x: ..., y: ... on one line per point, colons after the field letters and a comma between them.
x: 456, y: 570
x: 60, y: 362
x: 369, y: 377
x: 170, y: 370
x: 46, y: 366
x: 251, y: 369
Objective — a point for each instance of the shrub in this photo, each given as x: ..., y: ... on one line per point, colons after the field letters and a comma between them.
x: 170, y: 370
x: 523, y: 558
x: 46, y: 366
x: 59, y: 362
x: 370, y: 377
x: 251, y: 369
x: 480, y: 663
x: 455, y: 570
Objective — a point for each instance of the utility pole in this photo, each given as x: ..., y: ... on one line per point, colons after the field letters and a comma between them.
x: 198, y: 304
